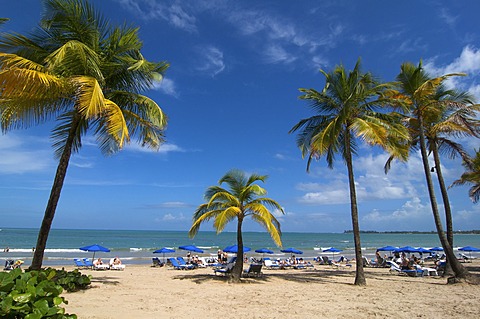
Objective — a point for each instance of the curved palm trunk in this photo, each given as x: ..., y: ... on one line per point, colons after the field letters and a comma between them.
x: 446, y: 203
x: 54, y: 197
x: 238, y: 268
x: 458, y: 269
x: 359, y: 273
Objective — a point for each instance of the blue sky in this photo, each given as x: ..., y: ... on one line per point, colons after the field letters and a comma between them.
x: 231, y: 95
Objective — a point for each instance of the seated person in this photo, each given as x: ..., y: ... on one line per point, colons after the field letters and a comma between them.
x: 98, y: 262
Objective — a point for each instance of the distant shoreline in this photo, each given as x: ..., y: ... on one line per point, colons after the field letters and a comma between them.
x: 473, y: 232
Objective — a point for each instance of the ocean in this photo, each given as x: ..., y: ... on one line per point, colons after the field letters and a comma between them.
x: 137, y: 246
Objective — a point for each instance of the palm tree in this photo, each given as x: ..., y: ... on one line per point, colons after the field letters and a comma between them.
x: 238, y: 202
x: 420, y: 96
x: 453, y: 116
x: 471, y: 176
x: 346, y: 112
x: 87, y: 75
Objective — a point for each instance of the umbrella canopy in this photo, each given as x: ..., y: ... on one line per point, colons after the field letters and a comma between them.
x: 407, y: 249
x: 191, y: 248
x: 436, y: 249
x: 164, y: 251
x: 264, y: 251
x: 95, y: 248
x: 422, y: 250
x: 234, y: 249
x: 469, y: 248
x: 292, y: 251
x: 332, y: 250
x: 387, y: 248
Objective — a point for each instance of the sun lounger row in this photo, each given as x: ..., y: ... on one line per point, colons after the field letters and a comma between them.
x: 86, y: 263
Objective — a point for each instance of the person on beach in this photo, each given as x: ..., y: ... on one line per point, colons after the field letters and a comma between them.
x: 98, y: 262
x: 219, y: 256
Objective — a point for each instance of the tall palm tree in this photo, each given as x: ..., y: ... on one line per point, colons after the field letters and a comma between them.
x: 346, y: 111
x: 454, y: 115
x: 87, y: 75
x: 420, y: 96
x: 471, y: 176
x: 240, y: 201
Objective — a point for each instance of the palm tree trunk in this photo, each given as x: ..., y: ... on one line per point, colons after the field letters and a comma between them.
x: 458, y: 269
x: 359, y: 273
x: 238, y: 268
x: 446, y: 203
x: 54, y: 197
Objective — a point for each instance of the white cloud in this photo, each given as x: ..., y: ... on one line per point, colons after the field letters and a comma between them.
x: 276, y: 54
x: 173, y: 13
x: 211, y: 60
x: 447, y: 17
x: 468, y: 62
x: 167, y: 86
x: 164, y: 148
x: 17, y: 157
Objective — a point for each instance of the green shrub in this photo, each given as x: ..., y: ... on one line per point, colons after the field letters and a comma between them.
x: 70, y: 280
x: 31, y: 295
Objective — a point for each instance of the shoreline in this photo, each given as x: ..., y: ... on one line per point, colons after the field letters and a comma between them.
x: 145, y: 292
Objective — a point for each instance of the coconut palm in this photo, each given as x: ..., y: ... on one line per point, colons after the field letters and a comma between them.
x: 471, y: 176
x: 420, y: 95
x: 240, y: 201
x: 454, y: 116
x: 87, y: 75
x: 346, y: 112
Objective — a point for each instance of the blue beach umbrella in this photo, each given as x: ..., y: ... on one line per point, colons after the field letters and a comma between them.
x: 387, y: 248
x: 332, y: 250
x: 264, y: 251
x: 95, y: 248
x: 407, y: 249
x: 436, y: 249
x: 292, y: 251
x: 164, y: 251
x: 469, y: 249
x: 422, y: 250
x: 191, y: 248
x: 234, y: 249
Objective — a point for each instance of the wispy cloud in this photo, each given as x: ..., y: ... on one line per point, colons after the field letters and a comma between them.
x: 172, y: 13
x: 164, y: 148
x: 210, y: 60
x: 276, y: 54
x: 17, y: 157
x: 449, y: 19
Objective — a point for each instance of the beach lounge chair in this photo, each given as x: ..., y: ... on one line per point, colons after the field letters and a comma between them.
x: 9, y: 264
x: 226, y: 270
x: 255, y: 270
x: 182, y: 262
x: 177, y: 266
x: 156, y: 262
x: 79, y: 263
x: 114, y: 266
x: 270, y: 264
x: 88, y: 263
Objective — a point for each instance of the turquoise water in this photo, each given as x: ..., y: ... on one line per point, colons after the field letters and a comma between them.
x: 136, y: 247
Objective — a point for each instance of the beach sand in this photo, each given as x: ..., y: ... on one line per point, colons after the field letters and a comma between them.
x: 141, y: 291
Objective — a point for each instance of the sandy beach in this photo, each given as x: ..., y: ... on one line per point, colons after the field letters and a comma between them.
x: 141, y: 291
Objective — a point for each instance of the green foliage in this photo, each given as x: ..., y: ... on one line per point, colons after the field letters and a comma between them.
x: 36, y: 294
x: 69, y: 280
